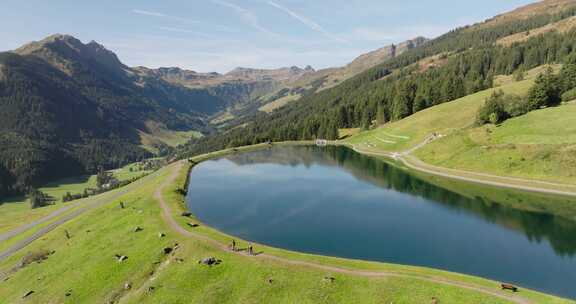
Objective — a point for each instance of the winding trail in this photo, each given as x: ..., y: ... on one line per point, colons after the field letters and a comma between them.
x: 414, y: 163
x: 167, y: 217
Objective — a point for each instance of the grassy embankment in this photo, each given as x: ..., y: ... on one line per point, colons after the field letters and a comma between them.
x: 540, y: 145
x: 85, y: 267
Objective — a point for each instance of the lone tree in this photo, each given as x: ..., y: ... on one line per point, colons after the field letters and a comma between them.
x: 37, y: 199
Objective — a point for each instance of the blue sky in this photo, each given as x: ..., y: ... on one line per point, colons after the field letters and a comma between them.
x: 218, y: 35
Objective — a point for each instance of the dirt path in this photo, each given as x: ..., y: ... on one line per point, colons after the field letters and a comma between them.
x: 167, y: 217
x: 85, y: 205
x: 413, y: 162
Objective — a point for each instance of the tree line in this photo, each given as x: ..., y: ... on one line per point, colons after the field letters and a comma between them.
x: 549, y: 90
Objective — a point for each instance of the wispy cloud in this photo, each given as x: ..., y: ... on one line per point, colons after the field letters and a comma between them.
x: 401, y: 33
x: 162, y: 15
x: 307, y: 21
x: 148, y: 13
x: 247, y: 16
x: 185, y: 31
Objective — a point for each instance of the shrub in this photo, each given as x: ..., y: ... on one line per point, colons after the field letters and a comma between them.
x: 493, y: 109
x: 38, y: 199
x: 569, y: 95
x: 515, y: 106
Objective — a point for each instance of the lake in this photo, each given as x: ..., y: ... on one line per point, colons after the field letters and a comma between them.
x: 336, y: 202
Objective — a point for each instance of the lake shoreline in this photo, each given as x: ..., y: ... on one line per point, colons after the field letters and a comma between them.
x: 218, y: 154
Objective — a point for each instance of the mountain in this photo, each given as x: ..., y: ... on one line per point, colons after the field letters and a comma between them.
x: 245, y: 90
x: 67, y: 108
x: 315, y: 81
x: 240, y: 89
x: 374, y: 58
x: 461, y: 62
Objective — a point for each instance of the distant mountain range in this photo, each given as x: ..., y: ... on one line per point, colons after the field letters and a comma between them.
x: 67, y: 108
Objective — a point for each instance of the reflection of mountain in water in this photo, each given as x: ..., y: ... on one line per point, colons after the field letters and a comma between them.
x: 537, y: 226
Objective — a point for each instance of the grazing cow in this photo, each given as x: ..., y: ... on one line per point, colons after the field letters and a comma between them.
x: 509, y: 287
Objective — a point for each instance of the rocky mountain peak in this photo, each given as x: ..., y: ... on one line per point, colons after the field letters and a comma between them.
x: 59, y: 48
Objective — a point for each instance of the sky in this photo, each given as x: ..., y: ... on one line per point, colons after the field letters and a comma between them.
x: 219, y: 35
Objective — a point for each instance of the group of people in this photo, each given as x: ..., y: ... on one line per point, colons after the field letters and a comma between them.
x: 250, y: 247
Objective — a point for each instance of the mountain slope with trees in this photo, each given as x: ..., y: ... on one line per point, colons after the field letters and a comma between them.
x: 464, y: 61
x: 67, y: 108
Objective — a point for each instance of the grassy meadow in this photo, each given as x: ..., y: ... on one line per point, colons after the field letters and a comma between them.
x: 16, y: 211
x: 539, y: 145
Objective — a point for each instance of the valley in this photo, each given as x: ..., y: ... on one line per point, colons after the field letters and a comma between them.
x: 433, y: 170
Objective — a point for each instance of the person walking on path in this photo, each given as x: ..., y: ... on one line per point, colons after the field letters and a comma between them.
x: 233, y: 245
x: 250, y: 249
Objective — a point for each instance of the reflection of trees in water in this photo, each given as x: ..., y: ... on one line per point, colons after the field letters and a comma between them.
x: 536, y: 226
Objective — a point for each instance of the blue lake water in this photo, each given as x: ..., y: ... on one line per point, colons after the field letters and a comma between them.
x: 334, y: 201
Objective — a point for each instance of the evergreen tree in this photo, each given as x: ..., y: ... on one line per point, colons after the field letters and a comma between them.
x: 381, y: 115
x: 545, y: 91
x: 567, y: 77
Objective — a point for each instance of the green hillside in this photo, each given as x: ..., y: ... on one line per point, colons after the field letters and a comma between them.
x: 444, y: 119
x: 67, y: 108
x: 539, y: 145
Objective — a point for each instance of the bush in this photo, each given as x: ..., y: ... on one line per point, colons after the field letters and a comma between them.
x: 493, y: 109
x: 569, y: 95
x: 515, y: 106
x: 38, y: 199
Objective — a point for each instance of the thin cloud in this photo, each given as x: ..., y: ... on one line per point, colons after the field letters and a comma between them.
x: 308, y: 22
x: 185, y: 31
x: 246, y: 15
x: 162, y: 15
x: 148, y: 13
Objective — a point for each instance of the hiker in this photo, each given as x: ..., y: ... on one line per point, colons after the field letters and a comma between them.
x: 233, y: 245
x: 250, y: 249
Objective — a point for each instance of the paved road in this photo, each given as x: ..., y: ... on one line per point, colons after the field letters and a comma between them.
x: 167, y: 217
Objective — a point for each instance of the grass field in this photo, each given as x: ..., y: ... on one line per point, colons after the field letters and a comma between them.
x: 15, y: 211
x: 84, y: 270
x: 540, y: 145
